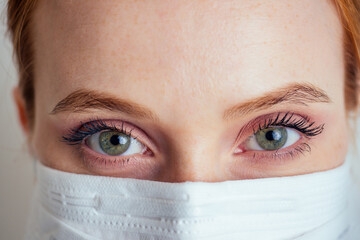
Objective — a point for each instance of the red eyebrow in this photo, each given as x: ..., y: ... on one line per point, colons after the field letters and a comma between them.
x: 295, y: 93
x: 82, y: 100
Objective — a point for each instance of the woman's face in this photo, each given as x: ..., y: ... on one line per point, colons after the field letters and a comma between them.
x: 189, y: 90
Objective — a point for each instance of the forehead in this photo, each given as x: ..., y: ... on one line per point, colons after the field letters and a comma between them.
x: 216, y: 47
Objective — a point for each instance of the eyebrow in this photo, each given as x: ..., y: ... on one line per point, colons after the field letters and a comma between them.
x: 296, y: 93
x: 83, y: 100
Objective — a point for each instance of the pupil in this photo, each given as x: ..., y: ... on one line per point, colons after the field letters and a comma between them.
x: 114, y: 140
x: 273, y: 135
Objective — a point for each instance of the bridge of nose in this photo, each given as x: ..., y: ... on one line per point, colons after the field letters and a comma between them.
x: 196, y: 159
x: 195, y: 147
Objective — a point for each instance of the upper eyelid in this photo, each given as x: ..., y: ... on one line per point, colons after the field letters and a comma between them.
x: 78, y: 134
x: 99, y: 127
x: 127, y: 128
x: 259, y: 122
x: 293, y: 120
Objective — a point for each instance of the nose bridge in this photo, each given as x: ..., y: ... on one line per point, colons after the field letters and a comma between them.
x: 193, y: 158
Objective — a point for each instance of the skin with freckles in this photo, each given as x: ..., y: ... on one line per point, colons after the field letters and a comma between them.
x: 188, y: 62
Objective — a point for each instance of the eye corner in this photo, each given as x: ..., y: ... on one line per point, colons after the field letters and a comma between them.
x: 239, y: 150
x: 148, y: 152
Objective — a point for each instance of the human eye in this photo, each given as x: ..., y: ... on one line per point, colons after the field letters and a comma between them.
x: 114, y: 143
x: 107, y: 144
x: 279, y: 136
x: 272, y: 138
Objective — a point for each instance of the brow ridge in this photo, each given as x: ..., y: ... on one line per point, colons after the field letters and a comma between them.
x: 296, y: 93
x: 300, y: 94
x: 83, y: 100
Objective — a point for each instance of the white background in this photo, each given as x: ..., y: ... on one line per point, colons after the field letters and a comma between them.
x: 16, y: 172
x: 16, y: 166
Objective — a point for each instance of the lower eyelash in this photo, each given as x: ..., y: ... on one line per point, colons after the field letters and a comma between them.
x: 97, y: 162
x: 260, y: 156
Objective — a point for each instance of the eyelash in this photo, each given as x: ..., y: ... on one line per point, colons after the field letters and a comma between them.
x: 302, y: 148
x: 303, y: 125
x: 77, y: 135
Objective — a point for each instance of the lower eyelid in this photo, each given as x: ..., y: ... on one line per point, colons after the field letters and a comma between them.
x: 292, y: 154
x: 281, y: 156
x: 96, y: 161
x: 259, y: 166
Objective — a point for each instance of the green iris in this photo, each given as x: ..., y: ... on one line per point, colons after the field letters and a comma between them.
x: 271, y: 138
x: 114, y: 143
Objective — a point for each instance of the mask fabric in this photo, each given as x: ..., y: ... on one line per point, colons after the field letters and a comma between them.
x: 78, y: 207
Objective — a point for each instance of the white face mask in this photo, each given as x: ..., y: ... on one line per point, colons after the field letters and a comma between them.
x: 76, y: 207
